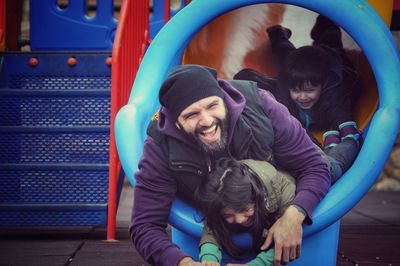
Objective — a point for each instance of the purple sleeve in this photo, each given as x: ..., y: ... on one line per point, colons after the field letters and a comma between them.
x: 153, y: 194
x: 294, y: 150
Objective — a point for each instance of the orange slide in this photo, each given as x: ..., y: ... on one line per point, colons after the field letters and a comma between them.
x: 238, y: 40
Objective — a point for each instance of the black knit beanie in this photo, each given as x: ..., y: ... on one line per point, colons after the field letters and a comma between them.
x: 187, y: 84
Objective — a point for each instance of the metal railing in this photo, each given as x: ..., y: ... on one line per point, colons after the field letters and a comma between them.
x: 131, y: 40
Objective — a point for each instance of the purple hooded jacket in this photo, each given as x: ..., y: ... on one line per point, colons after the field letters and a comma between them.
x: 156, y: 187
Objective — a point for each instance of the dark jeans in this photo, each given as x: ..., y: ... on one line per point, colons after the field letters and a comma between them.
x: 341, y: 157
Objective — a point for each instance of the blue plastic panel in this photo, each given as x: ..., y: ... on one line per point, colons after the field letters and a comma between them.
x: 53, y: 72
x: 60, y: 217
x: 54, y: 139
x: 69, y: 110
x: 55, y: 147
x: 157, y: 19
x: 44, y: 186
x: 54, y: 28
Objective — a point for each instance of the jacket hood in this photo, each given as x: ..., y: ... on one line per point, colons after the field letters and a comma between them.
x: 234, y: 102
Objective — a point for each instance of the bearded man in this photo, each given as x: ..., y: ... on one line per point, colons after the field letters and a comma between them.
x: 202, y: 119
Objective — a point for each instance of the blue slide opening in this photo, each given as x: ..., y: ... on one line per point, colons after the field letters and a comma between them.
x: 382, y: 53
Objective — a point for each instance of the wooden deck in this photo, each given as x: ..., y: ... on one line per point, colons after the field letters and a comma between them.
x: 370, y: 235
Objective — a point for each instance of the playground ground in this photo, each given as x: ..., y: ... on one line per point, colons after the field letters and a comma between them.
x: 369, y: 235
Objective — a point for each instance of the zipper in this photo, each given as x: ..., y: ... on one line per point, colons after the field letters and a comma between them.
x: 189, y: 167
x: 208, y: 160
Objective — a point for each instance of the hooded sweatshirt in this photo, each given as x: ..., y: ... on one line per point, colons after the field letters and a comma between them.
x: 156, y: 187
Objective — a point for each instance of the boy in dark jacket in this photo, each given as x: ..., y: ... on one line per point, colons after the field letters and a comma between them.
x: 317, y: 83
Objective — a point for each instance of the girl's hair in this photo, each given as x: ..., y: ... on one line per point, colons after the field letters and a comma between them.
x: 233, y: 185
x: 305, y: 64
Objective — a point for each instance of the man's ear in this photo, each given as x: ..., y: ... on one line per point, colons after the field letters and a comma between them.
x: 178, y: 125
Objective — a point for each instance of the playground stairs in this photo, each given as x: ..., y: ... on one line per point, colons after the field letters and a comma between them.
x: 54, y: 138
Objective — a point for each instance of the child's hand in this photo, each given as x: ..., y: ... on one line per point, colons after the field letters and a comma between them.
x: 210, y: 263
x: 188, y: 261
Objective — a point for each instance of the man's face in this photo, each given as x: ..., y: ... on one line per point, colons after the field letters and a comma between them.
x: 205, y: 120
x: 306, y: 97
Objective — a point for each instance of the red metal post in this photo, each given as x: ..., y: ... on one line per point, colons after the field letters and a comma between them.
x: 2, y: 25
x: 131, y: 35
x: 167, y: 11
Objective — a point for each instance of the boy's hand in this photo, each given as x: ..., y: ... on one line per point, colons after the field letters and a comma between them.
x: 287, y: 233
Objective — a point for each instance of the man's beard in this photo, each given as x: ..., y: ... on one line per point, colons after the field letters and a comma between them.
x: 218, y: 146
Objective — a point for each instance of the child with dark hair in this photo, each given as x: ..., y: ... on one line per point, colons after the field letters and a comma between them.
x: 317, y: 83
x: 245, y: 196
x: 249, y: 196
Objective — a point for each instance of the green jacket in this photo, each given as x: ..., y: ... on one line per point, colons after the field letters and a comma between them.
x: 280, y: 187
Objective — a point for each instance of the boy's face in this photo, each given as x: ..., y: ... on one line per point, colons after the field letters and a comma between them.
x: 306, y: 97
x: 242, y: 218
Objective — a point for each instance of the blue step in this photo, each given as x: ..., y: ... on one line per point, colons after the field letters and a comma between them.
x: 54, y: 139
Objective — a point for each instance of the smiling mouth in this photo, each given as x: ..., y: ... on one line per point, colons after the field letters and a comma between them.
x: 209, y: 135
x: 305, y: 104
x: 248, y: 223
x: 210, y: 130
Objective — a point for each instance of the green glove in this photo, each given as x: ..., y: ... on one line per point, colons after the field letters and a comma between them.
x: 265, y: 258
x: 210, y: 252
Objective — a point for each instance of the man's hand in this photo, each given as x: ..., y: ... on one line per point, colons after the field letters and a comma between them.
x: 287, y: 234
x: 188, y: 261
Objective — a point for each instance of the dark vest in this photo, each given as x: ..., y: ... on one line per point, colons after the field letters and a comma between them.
x: 253, y: 138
